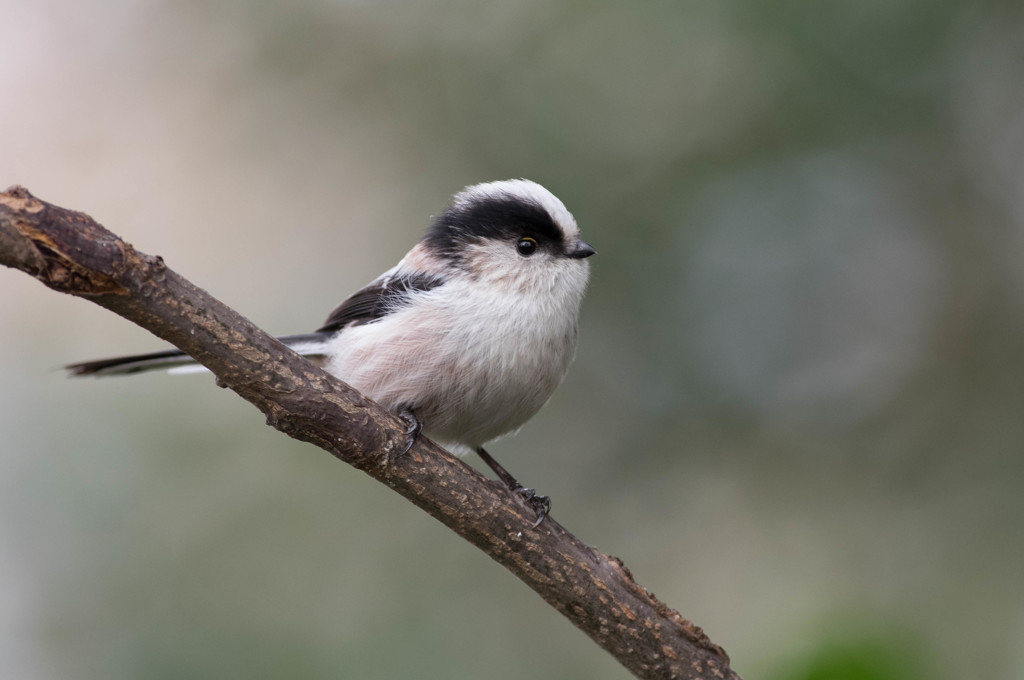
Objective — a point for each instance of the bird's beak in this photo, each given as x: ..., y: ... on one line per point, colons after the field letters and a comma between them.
x: 581, y: 251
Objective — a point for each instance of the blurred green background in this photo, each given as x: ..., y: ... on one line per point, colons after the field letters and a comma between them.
x: 797, y: 412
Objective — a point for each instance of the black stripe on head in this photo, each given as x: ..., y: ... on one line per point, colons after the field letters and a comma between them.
x: 503, y: 218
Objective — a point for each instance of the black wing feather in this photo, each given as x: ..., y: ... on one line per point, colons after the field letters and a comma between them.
x: 171, y: 358
x: 143, y: 362
x: 377, y: 300
x: 373, y: 302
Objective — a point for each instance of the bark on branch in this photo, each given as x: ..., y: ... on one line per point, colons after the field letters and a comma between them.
x: 71, y: 253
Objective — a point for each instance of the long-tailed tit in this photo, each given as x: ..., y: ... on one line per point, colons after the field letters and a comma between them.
x: 468, y: 336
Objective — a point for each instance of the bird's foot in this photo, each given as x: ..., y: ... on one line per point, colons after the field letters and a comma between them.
x: 413, y: 431
x: 540, y: 504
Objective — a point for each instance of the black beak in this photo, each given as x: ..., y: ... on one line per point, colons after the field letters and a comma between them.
x: 581, y: 251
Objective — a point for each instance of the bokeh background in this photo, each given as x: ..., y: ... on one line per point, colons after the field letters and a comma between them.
x: 797, y: 411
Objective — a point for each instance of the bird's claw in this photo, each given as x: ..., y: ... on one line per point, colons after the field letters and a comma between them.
x: 413, y: 431
x: 540, y: 504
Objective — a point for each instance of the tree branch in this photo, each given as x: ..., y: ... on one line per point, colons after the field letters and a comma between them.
x: 71, y: 253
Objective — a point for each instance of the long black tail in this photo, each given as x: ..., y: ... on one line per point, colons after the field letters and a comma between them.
x: 309, y: 344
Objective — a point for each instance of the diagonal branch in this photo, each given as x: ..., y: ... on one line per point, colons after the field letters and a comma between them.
x: 71, y: 253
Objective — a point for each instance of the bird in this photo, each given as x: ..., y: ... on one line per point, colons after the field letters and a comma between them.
x: 467, y: 337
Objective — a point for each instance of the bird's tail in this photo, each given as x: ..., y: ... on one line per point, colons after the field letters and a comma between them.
x: 176, y: 361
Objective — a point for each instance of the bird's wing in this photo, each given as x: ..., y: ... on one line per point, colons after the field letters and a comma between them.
x: 386, y: 294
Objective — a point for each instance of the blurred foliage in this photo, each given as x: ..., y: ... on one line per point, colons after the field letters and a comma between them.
x: 859, y: 654
x: 798, y: 391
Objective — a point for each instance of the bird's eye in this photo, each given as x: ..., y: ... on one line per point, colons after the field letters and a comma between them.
x: 526, y: 246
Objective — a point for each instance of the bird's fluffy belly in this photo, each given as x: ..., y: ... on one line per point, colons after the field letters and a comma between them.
x: 465, y: 392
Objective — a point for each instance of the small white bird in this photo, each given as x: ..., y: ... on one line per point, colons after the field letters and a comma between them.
x: 468, y: 336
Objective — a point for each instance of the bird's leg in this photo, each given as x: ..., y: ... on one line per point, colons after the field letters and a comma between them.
x: 414, y: 429
x: 540, y: 504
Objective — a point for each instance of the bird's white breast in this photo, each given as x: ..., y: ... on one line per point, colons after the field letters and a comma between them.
x: 474, y: 361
